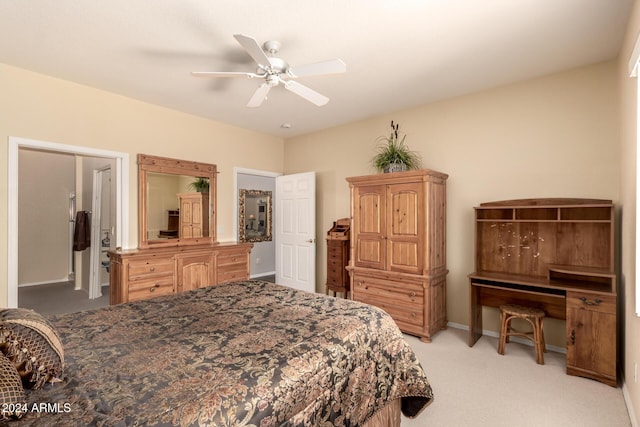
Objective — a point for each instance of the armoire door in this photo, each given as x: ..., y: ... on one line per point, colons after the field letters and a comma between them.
x: 404, y: 227
x: 369, y: 226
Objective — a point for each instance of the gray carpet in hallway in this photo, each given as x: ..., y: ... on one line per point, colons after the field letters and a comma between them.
x: 59, y: 298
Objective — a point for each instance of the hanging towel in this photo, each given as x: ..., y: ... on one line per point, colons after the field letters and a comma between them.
x: 82, y: 232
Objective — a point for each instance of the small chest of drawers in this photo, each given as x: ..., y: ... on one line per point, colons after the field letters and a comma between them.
x: 338, y: 258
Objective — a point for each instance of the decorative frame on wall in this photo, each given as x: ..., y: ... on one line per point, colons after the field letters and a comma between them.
x: 254, y: 215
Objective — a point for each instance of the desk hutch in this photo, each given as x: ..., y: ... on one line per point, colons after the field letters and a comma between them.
x: 557, y: 255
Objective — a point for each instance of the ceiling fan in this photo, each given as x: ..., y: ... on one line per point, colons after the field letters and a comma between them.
x: 275, y: 70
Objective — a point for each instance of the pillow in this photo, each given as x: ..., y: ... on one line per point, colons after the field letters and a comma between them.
x: 33, y: 345
x: 12, y: 396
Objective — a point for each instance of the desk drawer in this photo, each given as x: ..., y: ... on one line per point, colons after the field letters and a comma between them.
x: 601, y: 303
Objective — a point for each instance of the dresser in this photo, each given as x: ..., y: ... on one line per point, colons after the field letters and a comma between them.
x: 398, y: 247
x: 138, y: 274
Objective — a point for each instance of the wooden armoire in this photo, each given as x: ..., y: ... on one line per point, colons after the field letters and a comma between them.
x: 194, y: 214
x: 398, y: 247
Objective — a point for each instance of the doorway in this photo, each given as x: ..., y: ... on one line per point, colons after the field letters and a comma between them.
x: 120, y: 163
x: 262, y: 259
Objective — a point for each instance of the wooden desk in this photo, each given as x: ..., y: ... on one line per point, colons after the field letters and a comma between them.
x: 584, y: 297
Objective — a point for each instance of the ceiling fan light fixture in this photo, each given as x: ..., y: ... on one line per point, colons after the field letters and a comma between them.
x: 271, y: 69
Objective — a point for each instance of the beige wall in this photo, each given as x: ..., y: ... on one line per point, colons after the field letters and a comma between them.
x: 555, y: 136
x: 628, y: 108
x: 47, y: 109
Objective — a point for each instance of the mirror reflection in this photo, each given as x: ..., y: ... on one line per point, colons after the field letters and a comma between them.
x: 177, y: 206
x: 254, y: 215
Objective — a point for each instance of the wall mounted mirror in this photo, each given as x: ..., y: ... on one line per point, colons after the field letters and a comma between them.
x: 176, y: 202
x: 254, y: 216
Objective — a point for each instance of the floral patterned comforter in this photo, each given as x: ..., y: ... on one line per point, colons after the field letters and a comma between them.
x: 248, y: 353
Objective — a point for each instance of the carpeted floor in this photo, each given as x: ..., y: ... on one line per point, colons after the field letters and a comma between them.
x: 477, y: 387
x: 59, y: 298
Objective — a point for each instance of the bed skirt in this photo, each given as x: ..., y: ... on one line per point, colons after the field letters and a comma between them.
x: 389, y: 416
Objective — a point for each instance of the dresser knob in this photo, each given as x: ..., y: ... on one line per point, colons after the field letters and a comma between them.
x: 152, y: 269
x: 153, y: 288
x: 412, y: 294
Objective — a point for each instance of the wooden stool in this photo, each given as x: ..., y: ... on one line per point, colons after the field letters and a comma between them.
x: 534, y: 316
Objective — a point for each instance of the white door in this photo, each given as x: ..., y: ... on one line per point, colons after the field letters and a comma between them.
x: 295, y: 231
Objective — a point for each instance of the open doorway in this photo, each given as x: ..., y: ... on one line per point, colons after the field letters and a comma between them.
x: 24, y: 267
x: 262, y: 259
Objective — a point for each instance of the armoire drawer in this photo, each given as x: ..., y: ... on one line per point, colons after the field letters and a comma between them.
x: 401, y: 292
x: 403, y: 301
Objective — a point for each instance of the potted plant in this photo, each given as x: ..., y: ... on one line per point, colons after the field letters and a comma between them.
x: 201, y: 185
x: 393, y: 155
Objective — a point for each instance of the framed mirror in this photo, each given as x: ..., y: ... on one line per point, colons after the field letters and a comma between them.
x: 254, y: 216
x: 176, y: 202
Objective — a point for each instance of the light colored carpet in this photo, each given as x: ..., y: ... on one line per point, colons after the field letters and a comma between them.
x: 475, y: 386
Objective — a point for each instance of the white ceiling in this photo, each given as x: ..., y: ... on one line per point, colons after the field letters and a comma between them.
x: 399, y: 54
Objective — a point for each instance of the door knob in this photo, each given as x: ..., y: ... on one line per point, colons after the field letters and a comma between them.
x: 311, y: 240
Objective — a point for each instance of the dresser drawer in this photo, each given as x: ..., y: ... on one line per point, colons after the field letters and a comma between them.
x: 601, y: 303
x: 226, y: 275
x: 143, y: 269
x: 336, y: 277
x: 150, y: 287
x: 231, y: 258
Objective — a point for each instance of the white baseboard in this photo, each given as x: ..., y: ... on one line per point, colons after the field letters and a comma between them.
x: 629, y: 403
x: 44, y: 282
x: 269, y: 273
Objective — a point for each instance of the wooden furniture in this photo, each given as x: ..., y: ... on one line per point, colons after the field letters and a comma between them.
x: 194, y: 215
x: 192, y: 260
x: 338, y: 258
x: 557, y: 255
x: 398, y: 249
x: 146, y: 273
x: 534, y: 316
x: 179, y: 174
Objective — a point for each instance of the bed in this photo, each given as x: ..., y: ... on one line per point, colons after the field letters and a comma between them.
x: 249, y: 353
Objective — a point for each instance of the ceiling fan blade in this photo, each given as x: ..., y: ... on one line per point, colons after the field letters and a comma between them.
x: 253, y: 49
x: 305, y: 92
x: 332, y: 66
x: 259, y: 96
x: 223, y: 74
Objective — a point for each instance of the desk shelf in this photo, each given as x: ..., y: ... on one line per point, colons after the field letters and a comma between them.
x: 558, y: 255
